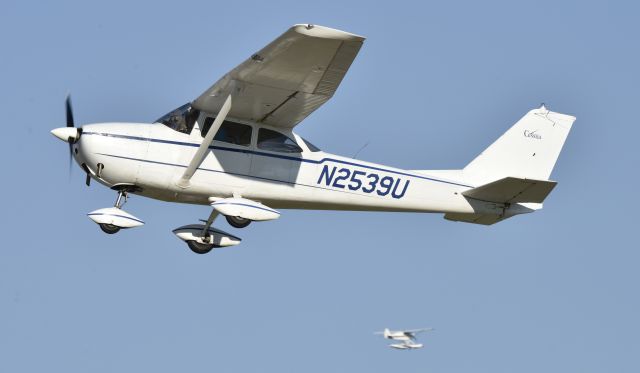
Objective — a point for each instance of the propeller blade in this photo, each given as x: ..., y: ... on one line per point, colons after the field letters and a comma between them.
x: 69, y: 112
x: 70, y: 123
x: 70, y: 159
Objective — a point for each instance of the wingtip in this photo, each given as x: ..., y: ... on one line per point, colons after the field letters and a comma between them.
x: 318, y: 31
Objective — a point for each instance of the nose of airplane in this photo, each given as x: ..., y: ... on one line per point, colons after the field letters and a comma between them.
x: 67, y: 134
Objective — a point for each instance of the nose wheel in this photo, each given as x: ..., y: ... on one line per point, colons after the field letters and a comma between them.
x: 120, y: 200
x: 109, y: 228
x: 112, y: 219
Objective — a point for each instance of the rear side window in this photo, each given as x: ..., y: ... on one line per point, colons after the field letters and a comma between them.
x: 229, y: 132
x: 276, y: 142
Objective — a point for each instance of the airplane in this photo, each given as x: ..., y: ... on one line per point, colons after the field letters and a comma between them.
x: 233, y: 148
x: 407, y: 337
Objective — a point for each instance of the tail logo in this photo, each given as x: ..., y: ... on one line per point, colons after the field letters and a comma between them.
x: 532, y: 134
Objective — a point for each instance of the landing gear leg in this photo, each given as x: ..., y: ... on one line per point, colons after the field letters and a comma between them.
x: 205, y: 246
x: 119, y: 202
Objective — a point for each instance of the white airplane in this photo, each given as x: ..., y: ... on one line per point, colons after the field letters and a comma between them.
x: 407, y: 337
x: 234, y: 148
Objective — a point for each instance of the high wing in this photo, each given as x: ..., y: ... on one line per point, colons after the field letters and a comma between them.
x: 413, y: 332
x: 288, y: 79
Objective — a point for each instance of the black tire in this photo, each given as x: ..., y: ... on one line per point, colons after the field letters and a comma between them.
x: 200, y: 248
x: 109, y: 228
x: 237, y: 222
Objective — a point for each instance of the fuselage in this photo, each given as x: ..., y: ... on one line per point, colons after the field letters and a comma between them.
x: 398, y: 336
x: 153, y: 157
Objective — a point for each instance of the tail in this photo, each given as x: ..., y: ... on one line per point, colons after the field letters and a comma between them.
x: 528, y: 150
x: 514, y: 171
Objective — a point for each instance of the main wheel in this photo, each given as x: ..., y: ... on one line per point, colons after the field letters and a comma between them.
x: 200, y: 248
x: 109, y: 228
x: 237, y: 222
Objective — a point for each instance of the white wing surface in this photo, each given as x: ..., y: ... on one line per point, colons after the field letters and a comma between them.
x: 288, y: 79
x: 413, y: 332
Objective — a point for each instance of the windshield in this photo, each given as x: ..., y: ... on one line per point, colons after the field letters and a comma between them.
x: 181, y: 119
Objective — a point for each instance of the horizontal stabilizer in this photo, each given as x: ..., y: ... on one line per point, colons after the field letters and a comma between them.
x: 484, y: 219
x: 512, y: 190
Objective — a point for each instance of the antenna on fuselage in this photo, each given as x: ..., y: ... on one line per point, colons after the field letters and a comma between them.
x: 359, y: 150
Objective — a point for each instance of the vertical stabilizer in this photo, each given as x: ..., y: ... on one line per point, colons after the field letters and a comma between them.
x: 528, y: 150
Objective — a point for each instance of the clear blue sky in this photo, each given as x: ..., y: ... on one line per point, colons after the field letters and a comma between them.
x: 552, y: 291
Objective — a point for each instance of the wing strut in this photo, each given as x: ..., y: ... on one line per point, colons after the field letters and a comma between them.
x: 201, y: 153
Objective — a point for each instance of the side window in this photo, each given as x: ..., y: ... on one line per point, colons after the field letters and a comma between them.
x: 276, y: 142
x: 204, y: 129
x: 230, y: 132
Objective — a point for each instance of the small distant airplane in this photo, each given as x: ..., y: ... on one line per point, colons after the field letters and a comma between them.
x: 407, y: 337
x: 233, y: 149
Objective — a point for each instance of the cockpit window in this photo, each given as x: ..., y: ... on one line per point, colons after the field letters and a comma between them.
x: 231, y: 132
x: 276, y: 142
x: 309, y: 145
x: 181, y: 119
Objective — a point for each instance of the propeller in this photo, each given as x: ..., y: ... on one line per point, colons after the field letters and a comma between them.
x: 70, y: 140
x: 70, y: 133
